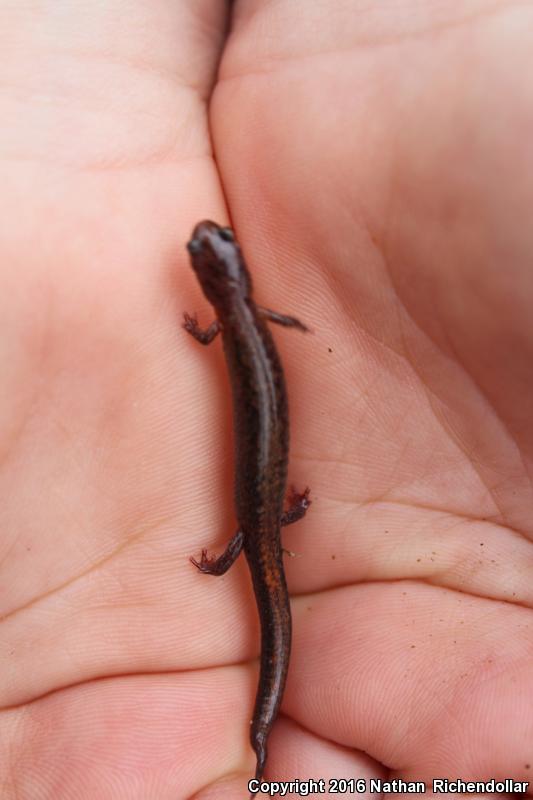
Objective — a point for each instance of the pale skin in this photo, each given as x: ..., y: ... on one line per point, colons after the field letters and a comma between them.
x: 375, y: 162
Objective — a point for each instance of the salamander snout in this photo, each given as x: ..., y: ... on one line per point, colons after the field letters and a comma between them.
x: 216, y: 258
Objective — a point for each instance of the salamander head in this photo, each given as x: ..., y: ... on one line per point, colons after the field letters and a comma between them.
x: 216, y: 258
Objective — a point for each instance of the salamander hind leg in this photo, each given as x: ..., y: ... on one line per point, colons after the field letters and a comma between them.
x: 190, y: 323
x: 218, y: 566
x: 299, y: 502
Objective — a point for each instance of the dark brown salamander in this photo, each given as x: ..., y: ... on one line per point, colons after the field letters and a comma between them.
x: 261, y: 424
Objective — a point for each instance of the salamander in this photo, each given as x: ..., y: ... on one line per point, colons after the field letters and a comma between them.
x: 261, y: 444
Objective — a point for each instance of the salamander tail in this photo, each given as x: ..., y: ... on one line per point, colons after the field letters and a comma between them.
x: 259, y: 745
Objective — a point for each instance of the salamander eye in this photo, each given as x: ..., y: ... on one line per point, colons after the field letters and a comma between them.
x: 227, y: 234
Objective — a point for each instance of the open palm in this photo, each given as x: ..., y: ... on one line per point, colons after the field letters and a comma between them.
x: 375, y: 162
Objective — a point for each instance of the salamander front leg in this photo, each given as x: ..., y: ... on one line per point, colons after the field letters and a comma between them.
x: 281, y: 319
x: 298, y: 505
x: 220, y: 565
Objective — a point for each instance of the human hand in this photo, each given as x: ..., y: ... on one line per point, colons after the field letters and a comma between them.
x: 376, y: 167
